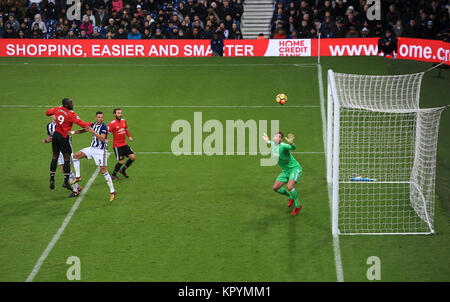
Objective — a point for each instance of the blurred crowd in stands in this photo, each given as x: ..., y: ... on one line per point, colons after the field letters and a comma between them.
x: 427, y: 19
x: 121, y: 19
x: 200, y: 19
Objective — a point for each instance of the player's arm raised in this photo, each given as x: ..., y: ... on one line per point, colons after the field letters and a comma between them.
x: 101, y: 137
x: 50, y: 112
x: 79, y: 131
x: 76, y: 120
x: 266, y: 138
x: 290, y: 140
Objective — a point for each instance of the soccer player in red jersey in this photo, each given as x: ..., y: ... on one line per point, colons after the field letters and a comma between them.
x: 119, y: 128
x: 76, y: 189
x: 65, y: 118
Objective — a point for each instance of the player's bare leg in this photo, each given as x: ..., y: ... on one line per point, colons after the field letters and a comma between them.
x: 294, y: 196
x: 278, y: 187
x: 76, y: 165
x: 112, y: 191
x: 131, y: 160
x: 53, y: 165
x: 117, y: 168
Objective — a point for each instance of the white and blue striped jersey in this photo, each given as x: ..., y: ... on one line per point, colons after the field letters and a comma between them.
x: 51, y: 128
x: 100, y: 129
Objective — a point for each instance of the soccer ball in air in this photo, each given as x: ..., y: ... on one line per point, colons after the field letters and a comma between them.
x: 281, y: 98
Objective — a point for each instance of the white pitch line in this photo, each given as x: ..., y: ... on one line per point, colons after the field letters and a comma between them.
x: 224, y: 153
x: 322, y: 106
x: 61, y: 229
x: 336, y: 246
x: 160, y: 106
x: 112, y: 64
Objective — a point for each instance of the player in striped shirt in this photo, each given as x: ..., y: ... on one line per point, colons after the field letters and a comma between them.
x: 76, y: 189
x: 97, y: 151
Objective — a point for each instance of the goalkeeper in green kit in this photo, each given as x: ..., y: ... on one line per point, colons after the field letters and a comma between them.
x: 291, y: 169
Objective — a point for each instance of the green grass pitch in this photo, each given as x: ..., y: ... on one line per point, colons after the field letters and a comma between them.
x: 193, y: 218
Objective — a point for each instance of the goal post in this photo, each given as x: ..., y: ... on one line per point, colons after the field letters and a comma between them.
x: 381, y: 155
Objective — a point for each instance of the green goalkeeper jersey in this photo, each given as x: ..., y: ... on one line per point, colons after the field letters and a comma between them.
x: 282, y: 153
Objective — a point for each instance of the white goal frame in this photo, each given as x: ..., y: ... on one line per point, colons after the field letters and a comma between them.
x: 407, y: 103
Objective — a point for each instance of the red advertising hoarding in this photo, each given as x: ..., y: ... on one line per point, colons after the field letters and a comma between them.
x: 413, y: 49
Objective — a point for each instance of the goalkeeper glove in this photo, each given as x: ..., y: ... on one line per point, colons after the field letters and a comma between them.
x: 290, y: 138
x: 266, y: 138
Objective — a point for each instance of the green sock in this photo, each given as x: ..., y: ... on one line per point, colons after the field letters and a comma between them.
x: 282, y: 191
x: 294, y: 196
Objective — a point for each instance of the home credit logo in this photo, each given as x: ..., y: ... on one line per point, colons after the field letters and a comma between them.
x: 289, y: 47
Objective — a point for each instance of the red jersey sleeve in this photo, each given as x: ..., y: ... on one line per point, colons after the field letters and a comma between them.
x: 76, y: 119
x: 50, y: 111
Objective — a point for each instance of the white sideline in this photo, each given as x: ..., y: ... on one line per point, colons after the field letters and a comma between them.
x: 158, y: 106
x: 61, y: 229
x: 336, y: 248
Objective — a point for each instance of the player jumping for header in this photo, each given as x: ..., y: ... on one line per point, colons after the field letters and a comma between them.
x: 76, y: 189
x: 119, y: 128
x: 97, y: 151
x: 65, y: 118
x: 291, y: 169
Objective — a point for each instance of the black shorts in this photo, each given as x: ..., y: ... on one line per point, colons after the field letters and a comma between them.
x: 122, y: 152
x: 61, y: 144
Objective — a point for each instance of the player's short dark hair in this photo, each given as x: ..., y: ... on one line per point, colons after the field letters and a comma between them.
x: 114, y: 111
x: 98, y: 112
x: 66, y: 101
x: 279, y: 132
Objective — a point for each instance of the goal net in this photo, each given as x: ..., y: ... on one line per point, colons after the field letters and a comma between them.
x: 381, y: 154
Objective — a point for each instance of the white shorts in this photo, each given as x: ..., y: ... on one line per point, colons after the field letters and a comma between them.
x: 61, y: 159
x: 100, y: 156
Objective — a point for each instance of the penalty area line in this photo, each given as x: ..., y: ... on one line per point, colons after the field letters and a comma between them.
x: 61, y: 229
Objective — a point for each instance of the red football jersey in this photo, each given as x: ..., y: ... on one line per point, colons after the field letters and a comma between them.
x: 65, y: 119
x: 119, y: 130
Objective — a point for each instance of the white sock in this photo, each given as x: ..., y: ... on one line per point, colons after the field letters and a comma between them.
x: 74, y: 186
x: 76, y: 166
x: 109, y: 182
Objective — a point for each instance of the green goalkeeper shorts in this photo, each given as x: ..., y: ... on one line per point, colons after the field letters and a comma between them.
x: 293, y: 174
